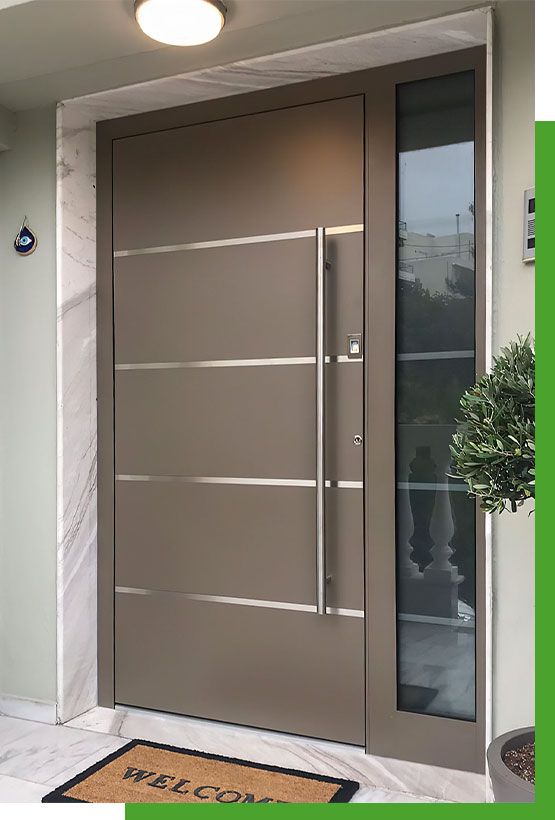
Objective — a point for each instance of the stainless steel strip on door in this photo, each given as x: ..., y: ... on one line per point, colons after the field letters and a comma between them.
x: 255, y: 482
x: 320, y: 423
x: 292, y: 360
x: 242, y: 240
x: 435, y: 355
x: 254, y: 602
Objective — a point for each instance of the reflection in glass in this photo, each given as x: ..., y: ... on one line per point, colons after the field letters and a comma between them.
x: 435, y: 517
x: 429, y: 391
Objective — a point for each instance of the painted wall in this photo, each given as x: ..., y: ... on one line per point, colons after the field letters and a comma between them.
x: 513, y: 313
x: 7, y: 128
x: 28, y: 414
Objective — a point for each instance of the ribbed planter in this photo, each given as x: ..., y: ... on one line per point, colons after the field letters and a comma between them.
x: 507, y: 787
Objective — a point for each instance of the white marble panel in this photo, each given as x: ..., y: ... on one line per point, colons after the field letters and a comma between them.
x: 383, y: 47
x: 76, y: 369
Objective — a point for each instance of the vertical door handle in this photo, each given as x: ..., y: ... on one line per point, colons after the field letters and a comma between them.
x: 320, y: 423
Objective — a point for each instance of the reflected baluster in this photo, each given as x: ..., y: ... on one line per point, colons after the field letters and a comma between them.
x: 441, y: 576
x: 462, y: 540
x: 422, y: 502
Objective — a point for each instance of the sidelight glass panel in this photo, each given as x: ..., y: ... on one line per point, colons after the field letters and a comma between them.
x: 435, y: 329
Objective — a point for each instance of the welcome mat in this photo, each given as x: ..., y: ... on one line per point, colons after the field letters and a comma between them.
x: 146, y: 772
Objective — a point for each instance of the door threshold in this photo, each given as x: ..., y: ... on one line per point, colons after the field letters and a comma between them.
x: 200, y: 723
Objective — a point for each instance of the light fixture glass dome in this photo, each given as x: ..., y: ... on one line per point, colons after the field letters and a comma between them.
x: 181, y: 22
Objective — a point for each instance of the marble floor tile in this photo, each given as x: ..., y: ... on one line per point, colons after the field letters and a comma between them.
x: 49, y: 755
x: 114, y: 744
x: 369, y: 795
x: 99, y: 719
x: 14, y: 790
x: 39, y: 752
x: 397, y: 776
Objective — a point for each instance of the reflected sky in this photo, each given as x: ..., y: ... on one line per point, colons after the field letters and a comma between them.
x: 435, y: 184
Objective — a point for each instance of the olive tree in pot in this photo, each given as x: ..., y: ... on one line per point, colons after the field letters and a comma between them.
x: 493, y: 451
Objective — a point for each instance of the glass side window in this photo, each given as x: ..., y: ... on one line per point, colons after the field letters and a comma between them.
x: 435, y: 353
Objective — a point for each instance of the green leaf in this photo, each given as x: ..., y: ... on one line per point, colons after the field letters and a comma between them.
x: 493, y: 449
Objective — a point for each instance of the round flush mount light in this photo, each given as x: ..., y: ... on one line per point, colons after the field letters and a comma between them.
x: 181, y: 22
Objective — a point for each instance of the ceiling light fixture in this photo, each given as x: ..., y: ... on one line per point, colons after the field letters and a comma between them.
x: 181, y: 22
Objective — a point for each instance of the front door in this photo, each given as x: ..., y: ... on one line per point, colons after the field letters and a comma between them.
x: 238, y: 314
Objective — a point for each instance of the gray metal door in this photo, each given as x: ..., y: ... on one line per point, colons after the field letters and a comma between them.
x: 238, y: 309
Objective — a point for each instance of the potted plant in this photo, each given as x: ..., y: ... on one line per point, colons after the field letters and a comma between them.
x: 493, y: 451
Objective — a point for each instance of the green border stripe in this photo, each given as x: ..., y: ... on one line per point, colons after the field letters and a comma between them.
x: 420, y: 811
x: 545, y: 446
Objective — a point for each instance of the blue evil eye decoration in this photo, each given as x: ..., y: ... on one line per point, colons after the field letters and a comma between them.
x: 25, y: 242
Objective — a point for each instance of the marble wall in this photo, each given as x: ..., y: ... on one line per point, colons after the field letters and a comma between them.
x: 76, y: 380
x: 76, y: 279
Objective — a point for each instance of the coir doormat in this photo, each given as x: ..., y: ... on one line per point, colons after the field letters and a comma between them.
x: 145, y: 772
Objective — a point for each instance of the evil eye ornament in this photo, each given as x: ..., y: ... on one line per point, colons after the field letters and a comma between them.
x: 25, y: 242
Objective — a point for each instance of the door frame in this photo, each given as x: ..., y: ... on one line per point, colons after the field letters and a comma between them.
x: 423, y: 738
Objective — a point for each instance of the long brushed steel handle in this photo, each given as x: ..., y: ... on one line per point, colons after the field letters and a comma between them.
x: 320, y: 423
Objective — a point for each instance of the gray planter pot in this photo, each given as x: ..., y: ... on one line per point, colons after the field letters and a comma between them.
x: 507, y: 787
